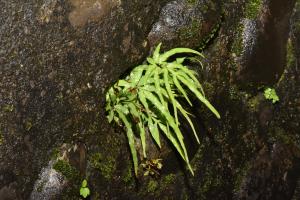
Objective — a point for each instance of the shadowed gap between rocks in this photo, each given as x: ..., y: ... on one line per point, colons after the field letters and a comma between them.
x: 265, y: 63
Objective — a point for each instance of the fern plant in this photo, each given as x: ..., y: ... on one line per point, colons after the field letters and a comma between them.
x: 143, y: 100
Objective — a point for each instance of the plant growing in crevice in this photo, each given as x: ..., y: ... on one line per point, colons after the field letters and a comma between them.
x: 143, y: 101
x: 84, y: 190
x: 152, y: 167
x: 271, y: 94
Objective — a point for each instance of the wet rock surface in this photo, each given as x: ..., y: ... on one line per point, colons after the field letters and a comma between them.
x: 54, y: 75
x: 185, y: 23
x: 49, y: 185
x: 264, y: 60
x: 57, y: 58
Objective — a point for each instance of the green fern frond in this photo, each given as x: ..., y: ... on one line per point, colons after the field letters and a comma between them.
x: 164, y: 57
x: 141, y: 101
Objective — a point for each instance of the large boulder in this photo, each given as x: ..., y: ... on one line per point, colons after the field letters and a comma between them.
x: 58, y: 58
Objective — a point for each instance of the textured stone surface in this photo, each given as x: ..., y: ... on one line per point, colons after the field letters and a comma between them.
x: 57, y: 58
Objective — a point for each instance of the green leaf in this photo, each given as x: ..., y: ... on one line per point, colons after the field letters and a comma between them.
x: 169, y: 91
x: 153, y: 99
x: 164, y: 111
x: 111, y: 116
x: 157, y: 85
x: 188, y: 74
x: 108, y: 106
x: 133, y: 109
x: 143, y: 100
x: 180, y: 60
x: 84, y: 183
x: 199, y: 96
x: 172, y: 140
x: 151, y: 61
x: 156, y: 53
x: 194, y: 59
x: 146, y: 173
x: 143, y: 138
x: 270, y: 94
x: 147, y: 75
x: 152, y: 80
x: 185, y: 114
x: 181, y: 149
x: 190, y: 168
x: 137, y: 73
x: 122, y: 108
x: 192, y: 80
x: 130, y: 137
x: 85, y: 192
x: 123, y: 83
x: 112, y: 95
x: 164, y: 57
x: 107, y: 99
x: 181, y: 90
x: 153, y: 128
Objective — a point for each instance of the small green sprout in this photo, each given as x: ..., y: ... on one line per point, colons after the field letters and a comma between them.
x: 84, y: 190
x: 270, y: 94
x: 152, y: 167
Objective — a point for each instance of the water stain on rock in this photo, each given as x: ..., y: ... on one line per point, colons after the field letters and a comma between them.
x: 90, y: 10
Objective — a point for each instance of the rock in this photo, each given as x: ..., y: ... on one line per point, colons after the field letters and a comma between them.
x: 9, y: 192
x: 58, y: 58
x: 49, y: 185
x: 185, y: 23
x: 265, y: 38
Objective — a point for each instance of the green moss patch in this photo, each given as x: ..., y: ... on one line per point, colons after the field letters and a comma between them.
x: 70, y: 172
x: 191, y: 30
x: 106, y: 166
x: 252, y: 9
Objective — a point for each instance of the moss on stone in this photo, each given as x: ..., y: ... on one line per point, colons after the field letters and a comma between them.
x: 290, y: 53
x: 55, y: 153
x: 251, y: 11
x: 297, y: 25
x: 127, y: 175
x: 211, y: 180
x: 1, y: 138
x: 192, y: 2
x: 252, y: 8
x: 28, y: 125
x: 70, y: 172
x: 209, y: 89
x: 157, y: 187
x: 237, y: 45
x: 168, y: 179
x: 254, y: 102
x: 152, y: 186
x: 233, y: 93
x: 278, y: 134
x: 8, y: 108
x: 96, y: 196
x: 240, y: 175
x: 239, y: 95
x: 191, y: 30
x: 106, y: 165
